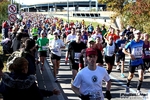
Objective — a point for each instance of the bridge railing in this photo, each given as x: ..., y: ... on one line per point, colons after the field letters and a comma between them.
x: 90, y: 15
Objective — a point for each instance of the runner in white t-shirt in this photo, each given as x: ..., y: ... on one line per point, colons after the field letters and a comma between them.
x: 55, y: 46
x: 71, y: 36
x: 88, y: 82
x: 97, y: 34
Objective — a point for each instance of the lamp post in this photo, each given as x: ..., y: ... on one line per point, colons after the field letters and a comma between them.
x: 48, y: 8
x: 68, y: 10
x: 11, y: 2
x: 96, y: 3
x: 19, y: 7
x: 90, y: 5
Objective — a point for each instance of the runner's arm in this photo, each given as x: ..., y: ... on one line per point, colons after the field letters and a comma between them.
x: 76, y: 90
x: 126, y: 52
x: 108, y: 85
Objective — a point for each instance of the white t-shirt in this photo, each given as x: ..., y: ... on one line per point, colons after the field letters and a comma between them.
x: 55, y: 46
x: 89, y: 81
x: 97, y: 35
x: 110, y: 50
x: 71, y: 37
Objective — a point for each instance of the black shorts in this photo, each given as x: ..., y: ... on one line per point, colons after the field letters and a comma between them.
x: 132, y: 68
x: 120, y: 57
x: 55, y: 57
x: 74, y: 65
x: 64, y: 35
x: 35, y: 37
x: 43, y: 53
x: 110, y: 59
x: 100, y: 60
x: 100, y: 57
x: 146, y: 63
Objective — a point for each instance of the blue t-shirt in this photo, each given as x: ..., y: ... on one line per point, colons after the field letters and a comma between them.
x: 90, y: 28
x: 120, y: 43
x: 136, y: 49
x: 85, y: 37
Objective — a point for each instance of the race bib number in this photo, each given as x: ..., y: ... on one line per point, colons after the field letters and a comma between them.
x: 55, y: 50
x: 111, y: 51
x: 147, y: 52
x: 76, y: 55
x: 122, y: 45
x: 44, y: 48
x: 95, y: 96
x: 137, y: 52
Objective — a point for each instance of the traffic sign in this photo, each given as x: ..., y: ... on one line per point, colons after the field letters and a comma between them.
x: 12, y: 9
x: 12, y: 17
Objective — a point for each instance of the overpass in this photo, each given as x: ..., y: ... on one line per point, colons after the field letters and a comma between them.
x: 60, y: 5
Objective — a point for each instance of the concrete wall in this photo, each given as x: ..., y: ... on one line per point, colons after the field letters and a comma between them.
x: 102, y: 13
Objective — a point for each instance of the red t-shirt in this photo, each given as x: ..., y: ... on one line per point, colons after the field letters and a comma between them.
x: 99, y: 46
x: 68, y: 30
x: 4, y: 25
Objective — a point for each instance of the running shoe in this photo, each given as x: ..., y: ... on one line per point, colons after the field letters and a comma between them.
x: 127, y: 90
x: 138, y: 92
x: 118, y: 68
x: 122, y: 75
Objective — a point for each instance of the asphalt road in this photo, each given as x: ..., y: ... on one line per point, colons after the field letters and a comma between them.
x: 118, y: 83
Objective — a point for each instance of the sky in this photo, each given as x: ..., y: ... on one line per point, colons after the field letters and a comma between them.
x: 30, y: 2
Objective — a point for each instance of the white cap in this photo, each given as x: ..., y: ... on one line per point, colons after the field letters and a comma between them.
x: 91, y: 40
x: 137, y: 31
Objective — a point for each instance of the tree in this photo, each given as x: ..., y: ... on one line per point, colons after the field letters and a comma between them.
x: 139, y: 15
x: 131, y: 13
x: 4, y: 10
x: 118, y: 6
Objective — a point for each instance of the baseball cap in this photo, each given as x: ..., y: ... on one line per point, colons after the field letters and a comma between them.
x: 91, y: 51
x: 91, y: 40
x: 137, y: 31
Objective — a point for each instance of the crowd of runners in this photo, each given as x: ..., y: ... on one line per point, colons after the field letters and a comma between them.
x: 89, y: 49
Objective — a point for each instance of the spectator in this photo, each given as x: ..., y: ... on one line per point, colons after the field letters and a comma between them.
x: 29, y: 54
x: 5, y: 27
x: 17, y: 85
x: 16, y: 42
x: 1, y: 68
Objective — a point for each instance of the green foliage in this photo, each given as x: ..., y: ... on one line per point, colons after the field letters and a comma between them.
x: 118, y: 6
x: 131, y: 13
x: 139, y: 12
x: 4, y: 10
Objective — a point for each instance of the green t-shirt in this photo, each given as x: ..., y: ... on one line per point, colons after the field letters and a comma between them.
x: 103, y: 32
x: 42, y: 42
x: 35, y: 31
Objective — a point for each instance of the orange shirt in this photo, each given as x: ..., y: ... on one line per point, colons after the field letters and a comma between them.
x: 115, y: 37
